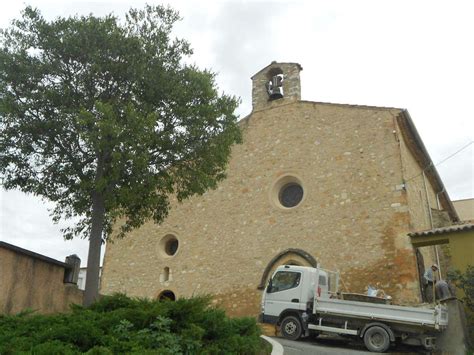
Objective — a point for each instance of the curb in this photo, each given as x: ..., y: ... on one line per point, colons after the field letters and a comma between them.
x: 277, y: 348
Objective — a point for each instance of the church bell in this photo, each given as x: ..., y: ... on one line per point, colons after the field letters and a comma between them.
x: 275, y: 87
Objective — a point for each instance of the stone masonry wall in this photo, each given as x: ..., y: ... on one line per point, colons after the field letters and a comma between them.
x: 354, y: 216
x: 29, y: 283
x: 420, y: 200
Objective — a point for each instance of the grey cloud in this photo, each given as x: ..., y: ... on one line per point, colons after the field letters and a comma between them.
x: 246, y: 39
x: 25, y: 222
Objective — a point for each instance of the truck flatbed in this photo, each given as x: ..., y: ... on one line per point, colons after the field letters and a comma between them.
x: 436, y: 318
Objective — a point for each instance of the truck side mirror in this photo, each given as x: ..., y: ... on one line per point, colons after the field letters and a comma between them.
x: 269, y: 287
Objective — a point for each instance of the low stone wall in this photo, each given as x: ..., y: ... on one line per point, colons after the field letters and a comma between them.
x: 32, y: 281
x: 454, y: 339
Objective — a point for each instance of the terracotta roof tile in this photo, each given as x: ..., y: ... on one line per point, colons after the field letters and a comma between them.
x: 453, y: 228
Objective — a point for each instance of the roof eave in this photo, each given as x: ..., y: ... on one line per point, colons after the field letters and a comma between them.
x: 34, y: 255
x: 422, y: 157
x: 457, y: 228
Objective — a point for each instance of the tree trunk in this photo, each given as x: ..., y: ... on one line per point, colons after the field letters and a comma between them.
x: 91, y: 292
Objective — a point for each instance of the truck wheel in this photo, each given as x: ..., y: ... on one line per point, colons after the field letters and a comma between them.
x: 377, y: 339
x: 291, y: 328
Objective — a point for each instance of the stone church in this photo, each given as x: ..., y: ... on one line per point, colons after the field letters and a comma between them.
x: 334, y: 184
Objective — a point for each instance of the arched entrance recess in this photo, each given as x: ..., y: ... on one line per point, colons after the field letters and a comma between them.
x: 287, y: 257
x: 167, y: 295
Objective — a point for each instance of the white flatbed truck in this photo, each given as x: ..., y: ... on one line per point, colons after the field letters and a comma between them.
x: 303, y: 302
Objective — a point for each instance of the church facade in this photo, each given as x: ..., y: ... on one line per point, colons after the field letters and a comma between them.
x: 334, y: 184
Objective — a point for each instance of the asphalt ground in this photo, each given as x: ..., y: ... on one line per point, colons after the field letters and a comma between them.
x: 332, y: 345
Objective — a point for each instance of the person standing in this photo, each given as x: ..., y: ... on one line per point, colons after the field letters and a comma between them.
x: 429, y: 280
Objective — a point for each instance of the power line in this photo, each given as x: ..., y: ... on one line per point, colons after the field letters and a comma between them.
x: 441, y: 162
x: 456, y: 152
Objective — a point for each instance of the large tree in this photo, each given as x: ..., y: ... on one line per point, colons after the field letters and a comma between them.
x: 104, y: 118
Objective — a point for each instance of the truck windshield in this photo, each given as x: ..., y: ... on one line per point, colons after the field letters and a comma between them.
x: 284, y: 280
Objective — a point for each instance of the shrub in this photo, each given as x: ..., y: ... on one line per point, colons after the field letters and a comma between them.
x: 119, y: 324
x: 465, y: 281
x: 53, y: 347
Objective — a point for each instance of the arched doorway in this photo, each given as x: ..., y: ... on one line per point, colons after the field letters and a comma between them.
x: 287, y: 257
x: 167, y: 295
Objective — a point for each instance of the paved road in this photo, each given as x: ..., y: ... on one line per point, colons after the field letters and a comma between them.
x: 310, y: 347
x: 333, y: 346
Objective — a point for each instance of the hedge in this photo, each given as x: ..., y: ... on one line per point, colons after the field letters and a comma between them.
x: 121, y: 325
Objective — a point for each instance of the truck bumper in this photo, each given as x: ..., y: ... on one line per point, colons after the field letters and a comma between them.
x: 263, y: 318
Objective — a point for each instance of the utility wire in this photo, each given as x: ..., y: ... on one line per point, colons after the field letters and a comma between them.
x: 456, y: 152
x: 441, y: 162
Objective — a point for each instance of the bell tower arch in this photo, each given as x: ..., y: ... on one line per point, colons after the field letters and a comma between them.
x: 277, y: 82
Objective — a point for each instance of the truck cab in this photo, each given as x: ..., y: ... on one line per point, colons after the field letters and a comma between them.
x: 291, y: 291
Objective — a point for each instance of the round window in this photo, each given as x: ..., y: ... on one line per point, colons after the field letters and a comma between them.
x: 290, y: 195
x: 169, y: 245
x: 287, y: 192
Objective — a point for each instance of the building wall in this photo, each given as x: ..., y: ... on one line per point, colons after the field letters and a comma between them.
x: 462, y: 245
x: 420, y: 197
x: 417, y: 197
x: 30, y: 283
x: 425, y: 209
x: 459, y: 237
x: 354, y: 216
x: 465, y: 209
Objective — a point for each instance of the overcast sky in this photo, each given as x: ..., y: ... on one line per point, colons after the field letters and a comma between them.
x: 417, y: 55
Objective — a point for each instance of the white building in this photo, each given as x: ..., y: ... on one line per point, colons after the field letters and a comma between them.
x: 81, y: 280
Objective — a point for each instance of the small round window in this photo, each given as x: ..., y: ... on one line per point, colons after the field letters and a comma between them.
x: 169, y: 245
x: 287, y: 192
x: 290, y: 195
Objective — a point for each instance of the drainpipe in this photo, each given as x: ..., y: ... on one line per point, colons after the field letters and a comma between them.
x: 428, y: 200
x: 431, y: 222
x: 437, y: 198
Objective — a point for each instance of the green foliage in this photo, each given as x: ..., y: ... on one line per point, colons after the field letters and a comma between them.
x: 104, y: 118
x: 54, y: 347
x: 465, y: 282
x: 92, y: 104
x: 118, y: 324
